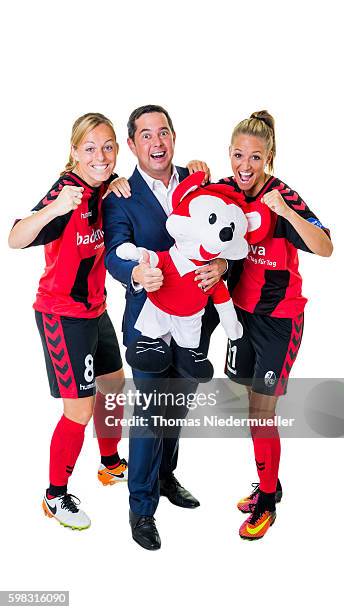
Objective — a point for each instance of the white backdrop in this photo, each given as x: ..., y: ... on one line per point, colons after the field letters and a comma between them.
x: 211, y: 65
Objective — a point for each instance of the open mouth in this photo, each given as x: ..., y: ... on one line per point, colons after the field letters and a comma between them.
x: 158, y: 155
x: 206, y: 255
x: 100, y: 167
x: 245, y: 177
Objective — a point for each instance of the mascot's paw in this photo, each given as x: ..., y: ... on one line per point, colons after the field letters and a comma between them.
x: 192, y: 363
x: 235, y: 332
x: 148, y: 355
x: 128, y: 251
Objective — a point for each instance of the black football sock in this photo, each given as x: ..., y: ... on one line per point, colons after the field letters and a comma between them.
x: 111, y: 461
x: 56, y: 490
x: 266, y: 501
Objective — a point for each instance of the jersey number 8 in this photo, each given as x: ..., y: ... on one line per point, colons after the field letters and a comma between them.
x: 89, y: 371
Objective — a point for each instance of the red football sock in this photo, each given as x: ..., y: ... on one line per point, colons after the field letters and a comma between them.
x: 65, y: 448
x: 267, y: 452
x: 107, y: 446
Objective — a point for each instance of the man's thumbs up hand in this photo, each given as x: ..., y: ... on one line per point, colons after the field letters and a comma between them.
x: 151, y: 279
x: 145, y: 257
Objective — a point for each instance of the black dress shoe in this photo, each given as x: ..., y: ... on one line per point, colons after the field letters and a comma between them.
x: 144, y: 531
x: 177, y: 495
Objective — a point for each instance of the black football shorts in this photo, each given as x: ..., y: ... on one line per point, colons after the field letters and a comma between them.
x: 76, y: 351
x: 264, y: 356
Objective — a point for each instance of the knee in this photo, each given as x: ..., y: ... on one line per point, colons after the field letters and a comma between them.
x: 79, y: 410
x: 111, y: 383
x: 261, y: 412
x: 262, y: 406
x: 80, y: 414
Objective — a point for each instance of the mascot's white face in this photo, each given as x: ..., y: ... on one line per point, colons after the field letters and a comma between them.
x: 214, y: 229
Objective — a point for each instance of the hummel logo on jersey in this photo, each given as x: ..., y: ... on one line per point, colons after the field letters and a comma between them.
x: 96, y: 235
x: 51, y: 508
x: 86, y: 214
x: 256, y: 249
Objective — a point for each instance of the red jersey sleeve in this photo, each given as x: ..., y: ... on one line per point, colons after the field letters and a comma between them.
x: 54, y: 228
x: 283, y: 227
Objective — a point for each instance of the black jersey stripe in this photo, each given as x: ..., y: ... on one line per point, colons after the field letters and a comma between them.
x: 79, y: 291
x: 235, y: 269
x: 93, y: 207
x: 273, y: 291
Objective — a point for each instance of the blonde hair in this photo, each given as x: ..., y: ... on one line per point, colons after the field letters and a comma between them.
x: 81, y: 127
x: 261, y: 125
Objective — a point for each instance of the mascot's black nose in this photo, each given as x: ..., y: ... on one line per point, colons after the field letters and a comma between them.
x: 226, y: 233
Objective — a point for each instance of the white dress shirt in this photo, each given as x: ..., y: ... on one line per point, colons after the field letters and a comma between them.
x: 162, y: 193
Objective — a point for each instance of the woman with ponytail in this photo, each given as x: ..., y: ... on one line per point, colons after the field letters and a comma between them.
x: 267, y: 291
x: 81, y: 351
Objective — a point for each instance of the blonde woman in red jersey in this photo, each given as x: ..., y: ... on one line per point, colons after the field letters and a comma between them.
x: 81, y: 351
x: 267, y: 290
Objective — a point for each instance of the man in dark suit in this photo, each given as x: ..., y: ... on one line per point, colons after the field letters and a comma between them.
x: 140, y: 219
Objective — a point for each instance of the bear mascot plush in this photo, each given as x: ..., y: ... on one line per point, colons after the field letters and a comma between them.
x: 206, y: 223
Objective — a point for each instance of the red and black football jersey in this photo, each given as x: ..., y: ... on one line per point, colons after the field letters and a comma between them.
x: 73, y: 283
x: 268, y: 281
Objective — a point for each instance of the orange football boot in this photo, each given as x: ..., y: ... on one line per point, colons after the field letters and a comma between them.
x: 256, y: 526
x: 109, y: 476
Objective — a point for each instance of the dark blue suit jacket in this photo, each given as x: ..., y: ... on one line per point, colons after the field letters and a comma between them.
x: 141, y: 220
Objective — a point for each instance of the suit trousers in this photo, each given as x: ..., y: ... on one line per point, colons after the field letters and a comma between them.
x: 153, y: 446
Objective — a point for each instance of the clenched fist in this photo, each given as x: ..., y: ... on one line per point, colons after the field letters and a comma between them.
x: 275, y: 202
x: 68, y: 199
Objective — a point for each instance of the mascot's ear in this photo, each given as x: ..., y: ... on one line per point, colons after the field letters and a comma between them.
x: 191, y: 183
x: 254, y: 221
x: 258, y: 216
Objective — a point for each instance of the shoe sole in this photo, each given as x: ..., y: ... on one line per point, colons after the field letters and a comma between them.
x: 145, y: 547
x: 278, y: 498
x: 73, y: 527
x: 248, y: 538
x: 111, y: 482
x: 179, y: 505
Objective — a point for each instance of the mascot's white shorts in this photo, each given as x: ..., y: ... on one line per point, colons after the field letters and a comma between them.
x: 155, y: 323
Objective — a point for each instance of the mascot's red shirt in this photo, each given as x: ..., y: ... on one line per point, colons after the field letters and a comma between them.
x: 180, y: 295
